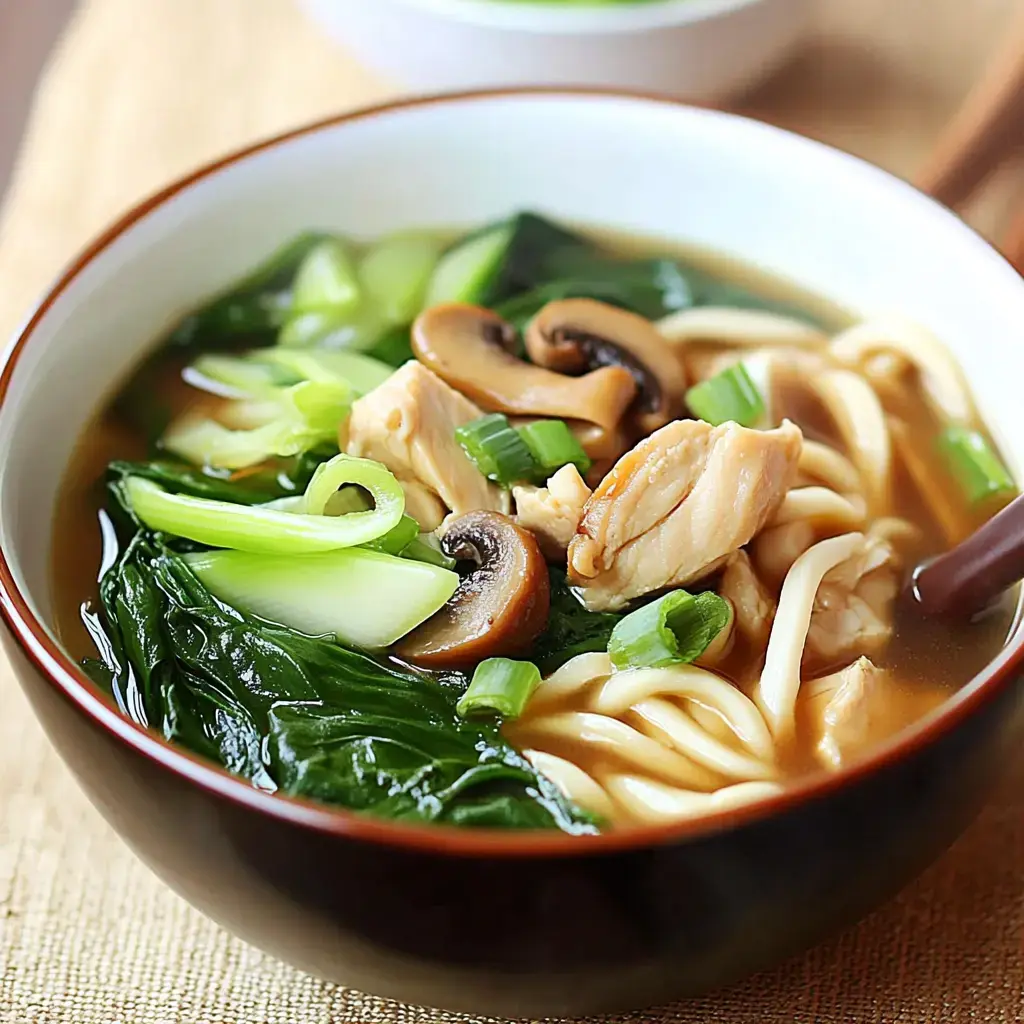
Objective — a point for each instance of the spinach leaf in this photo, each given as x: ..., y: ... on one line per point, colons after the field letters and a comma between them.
x: 571, y: 629
x: 302, y: 713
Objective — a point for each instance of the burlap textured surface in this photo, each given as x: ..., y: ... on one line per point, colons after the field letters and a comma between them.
x: 138, y: 93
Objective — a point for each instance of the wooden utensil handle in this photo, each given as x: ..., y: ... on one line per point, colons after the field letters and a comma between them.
x: 976, y: 572
x: 988, y: 129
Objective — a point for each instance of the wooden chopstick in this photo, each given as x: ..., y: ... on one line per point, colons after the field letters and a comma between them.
x: 986, y: 132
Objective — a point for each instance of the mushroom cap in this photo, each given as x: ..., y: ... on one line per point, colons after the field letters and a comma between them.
x: 472, y: 349
x: 499, y: 607
x: 579, y: 335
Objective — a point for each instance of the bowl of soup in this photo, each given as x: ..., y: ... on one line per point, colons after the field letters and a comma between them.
x: 703, y: 50
x: 480, y: 584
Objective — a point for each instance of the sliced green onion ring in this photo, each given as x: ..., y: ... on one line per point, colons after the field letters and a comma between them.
x: 678, y: 627
x: 728, y: 396
x: 553, y: 445
x: 975, y: 465
x: 500, y: 686
x: 497, y: 449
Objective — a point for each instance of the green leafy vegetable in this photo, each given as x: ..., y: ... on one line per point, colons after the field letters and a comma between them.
x: 279, y: 478
x: 678, y: 627
x: 500, y: 686
x: 252, y: 310
x: 307, y: 716
x: 571, y: 629
x: 364, y: 598
x: 271, y: 531
x: 294, y: 420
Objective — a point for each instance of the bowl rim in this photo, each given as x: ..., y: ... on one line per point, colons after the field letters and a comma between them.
x: 538, y: 18
x: 71, y: 682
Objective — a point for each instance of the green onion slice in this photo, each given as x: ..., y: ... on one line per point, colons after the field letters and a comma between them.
x: 500, y: 686
x: 553, y: 445
x: 264, y: 530
x: 728, y: 396
x: 678, y: 627
x: 497, y: 450
x: 975, y: 466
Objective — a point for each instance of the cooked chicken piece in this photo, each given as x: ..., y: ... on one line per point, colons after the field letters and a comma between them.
x: 843, y: 711
x: 408, y: 423
x: 552, y: 513
x: 852, y: 612
x: 675, y: 507
x: 752, y: 604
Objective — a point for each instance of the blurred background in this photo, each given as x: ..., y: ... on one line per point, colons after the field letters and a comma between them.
x: 133, y: 94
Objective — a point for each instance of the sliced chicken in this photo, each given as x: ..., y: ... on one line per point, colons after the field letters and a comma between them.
x: 552, y: 513
x: 852, y: 613
x: 753, y: 606
x: 845, y: 711
x: 408, y: 424
x: 676, y: 506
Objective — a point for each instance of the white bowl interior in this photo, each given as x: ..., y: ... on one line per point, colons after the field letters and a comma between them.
x: 825, y: 220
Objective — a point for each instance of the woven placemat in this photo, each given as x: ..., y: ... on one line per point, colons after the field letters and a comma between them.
x: 139, y: 92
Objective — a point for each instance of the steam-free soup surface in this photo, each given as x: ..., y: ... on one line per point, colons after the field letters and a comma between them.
x: 550, y: 572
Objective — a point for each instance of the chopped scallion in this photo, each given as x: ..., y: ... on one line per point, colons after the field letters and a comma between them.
x: 497, y: 449
x: 500, y: 686
x: 975, y: 466
x: 728, y: 396
x: 678, y: 627
x: 553, y: 445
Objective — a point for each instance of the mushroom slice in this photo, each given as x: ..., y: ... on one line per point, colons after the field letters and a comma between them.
x: 473, y: 350
x: 498, y: 608
x: 576, y: 335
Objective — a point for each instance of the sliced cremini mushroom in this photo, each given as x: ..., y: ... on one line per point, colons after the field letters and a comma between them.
x: 499, y: 607
x: 473, y: 350
x: 576, y: 335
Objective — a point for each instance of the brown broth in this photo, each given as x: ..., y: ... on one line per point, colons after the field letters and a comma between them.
x: 928, y: 662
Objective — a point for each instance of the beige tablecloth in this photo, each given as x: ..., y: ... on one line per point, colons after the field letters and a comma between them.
x: 141, y: 90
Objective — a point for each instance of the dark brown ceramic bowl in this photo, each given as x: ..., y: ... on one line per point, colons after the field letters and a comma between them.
x: 529, y: 924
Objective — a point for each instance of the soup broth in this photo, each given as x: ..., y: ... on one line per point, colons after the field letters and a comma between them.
x: 613, y: 735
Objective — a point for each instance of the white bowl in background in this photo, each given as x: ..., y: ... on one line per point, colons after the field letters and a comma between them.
x: 703, y: 50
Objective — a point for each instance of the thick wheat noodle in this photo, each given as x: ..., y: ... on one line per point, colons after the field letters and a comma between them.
x: 820, y: 506
x: 942, y: 380
x: 738, y: 327
x: 594, y: 734
x: 858, y: 414
x: 780, y: 678
x: 652, y: 802
x: 683, y: 733
x: 575, y: 675
x: 573, y: 781
x: 895, y: 531
x: 824, y: 463
x: 624, y: 689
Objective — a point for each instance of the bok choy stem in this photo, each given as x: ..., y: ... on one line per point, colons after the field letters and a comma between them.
x: 272, y: 531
